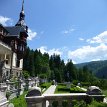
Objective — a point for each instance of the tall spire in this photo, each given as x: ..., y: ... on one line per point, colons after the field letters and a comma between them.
x: 21, y: 21
x: 23, y: 5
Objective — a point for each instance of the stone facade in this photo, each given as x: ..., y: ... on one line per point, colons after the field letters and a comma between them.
x: 13, y: 42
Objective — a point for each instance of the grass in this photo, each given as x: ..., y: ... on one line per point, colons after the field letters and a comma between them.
x: 76, y: 103
x: 97, y: 104
x: 20, y: 101
x: 62, y: 89
x: 45, y: 85
x: 105, y: 92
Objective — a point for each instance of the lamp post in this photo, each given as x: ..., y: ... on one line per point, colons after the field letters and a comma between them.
x: 68, y: 76
x: 19, y: 87
x: 68, y: 82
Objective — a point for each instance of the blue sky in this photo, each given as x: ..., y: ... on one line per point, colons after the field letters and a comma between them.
x: 74, y: 29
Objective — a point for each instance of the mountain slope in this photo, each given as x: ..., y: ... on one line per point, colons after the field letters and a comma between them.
x: 99, y: 68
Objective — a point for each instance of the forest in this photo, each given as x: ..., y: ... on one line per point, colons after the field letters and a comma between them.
x: 54, y: 68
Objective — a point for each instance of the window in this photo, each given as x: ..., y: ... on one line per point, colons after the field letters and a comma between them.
x: 7, y: 59
x: 17, y: 74
x: 18, y: 63
x: 1, y: 30
x: 7, y: 73
x: 7, y: 62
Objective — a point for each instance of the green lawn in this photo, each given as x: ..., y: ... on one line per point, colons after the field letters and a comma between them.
x: 20, y: 101
x: 62, y: 89
x: 105, y: 92
x: 45, y: 85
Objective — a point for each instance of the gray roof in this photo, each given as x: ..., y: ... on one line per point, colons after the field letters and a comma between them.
x: 3, y: 27
x: 14, y: 30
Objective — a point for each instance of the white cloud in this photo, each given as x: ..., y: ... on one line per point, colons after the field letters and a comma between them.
x: 66, y: 61
x: 31, y: 34
x: 44, y: 49
x: 96, y: 59
x: 101, y: 38
x: 88, y: 53
x: 8, y: 21
x: 81, y: 39
x: 5, y: 21
x: 68, y: 31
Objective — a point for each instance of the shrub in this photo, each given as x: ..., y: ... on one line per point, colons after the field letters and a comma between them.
x: 72, y: 85
x: 85, y: 84
x: 63, y: 89
x: 45, y: 85
x: 76, y: 90
x: 26, y: 74
x: 97, y: 104
x: 20, y: 101
x: 62, y: 84
x: 75, y: 82
x: 76, y: 103
x: 8, y: 95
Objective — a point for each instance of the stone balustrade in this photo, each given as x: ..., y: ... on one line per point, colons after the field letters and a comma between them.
x: 3, y: 99
x: 41, y: 101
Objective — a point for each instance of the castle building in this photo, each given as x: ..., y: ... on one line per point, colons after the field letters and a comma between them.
x: 13, y: 42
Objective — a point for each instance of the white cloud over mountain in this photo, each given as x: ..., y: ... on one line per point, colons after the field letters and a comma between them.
x: 89, y: 53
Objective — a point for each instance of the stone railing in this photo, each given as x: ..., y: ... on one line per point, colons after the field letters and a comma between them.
x: 47, y: 100
x: 3, y: 99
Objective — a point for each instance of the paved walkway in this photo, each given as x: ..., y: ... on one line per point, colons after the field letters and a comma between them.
x: 50, y: 90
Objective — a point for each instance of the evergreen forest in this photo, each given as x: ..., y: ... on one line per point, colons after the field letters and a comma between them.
x: 53, y: 68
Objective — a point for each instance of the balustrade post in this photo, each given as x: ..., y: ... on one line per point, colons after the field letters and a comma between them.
x: 59, y: 103
x: 44, y: 103
x: 69, y: 103
x: 50, y: 103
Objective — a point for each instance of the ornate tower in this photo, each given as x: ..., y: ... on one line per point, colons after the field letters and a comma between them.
x: 17, y: 40
x: 21, y: 21
x: 22, y: 42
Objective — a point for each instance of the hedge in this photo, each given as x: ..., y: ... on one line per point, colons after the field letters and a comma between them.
x: 76, y: 90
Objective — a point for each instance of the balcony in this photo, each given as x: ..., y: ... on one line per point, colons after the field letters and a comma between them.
x: 4, y: 48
